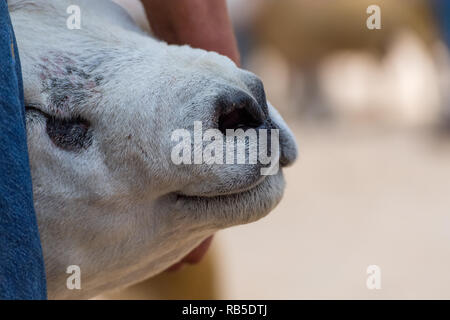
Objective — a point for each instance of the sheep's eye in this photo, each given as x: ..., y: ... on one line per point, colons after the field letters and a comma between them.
x: 69, y: 134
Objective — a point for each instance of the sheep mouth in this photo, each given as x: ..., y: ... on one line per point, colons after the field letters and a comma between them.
x: 235, y: 208
x: 222, y: 192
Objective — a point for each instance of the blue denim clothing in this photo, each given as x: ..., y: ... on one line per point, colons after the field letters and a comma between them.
x: 22, y: 274
x: 442, y: 9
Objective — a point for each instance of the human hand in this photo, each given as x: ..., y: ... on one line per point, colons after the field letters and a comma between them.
x: 203, y: 24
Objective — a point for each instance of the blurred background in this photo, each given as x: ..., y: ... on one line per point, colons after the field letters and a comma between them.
x: 371, y: 112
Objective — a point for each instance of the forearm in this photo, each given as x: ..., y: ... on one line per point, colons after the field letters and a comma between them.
x: 202, y: 24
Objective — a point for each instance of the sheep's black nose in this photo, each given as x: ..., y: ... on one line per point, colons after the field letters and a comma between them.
x: 238, y: 110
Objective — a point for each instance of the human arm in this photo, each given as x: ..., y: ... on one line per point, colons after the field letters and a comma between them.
x: 201, y: 24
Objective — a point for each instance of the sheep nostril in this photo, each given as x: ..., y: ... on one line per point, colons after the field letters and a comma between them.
x: 240, y: 112
x: 237, y: 119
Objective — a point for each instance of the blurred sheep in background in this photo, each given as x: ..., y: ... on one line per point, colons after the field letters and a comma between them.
x: 328, y: 64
